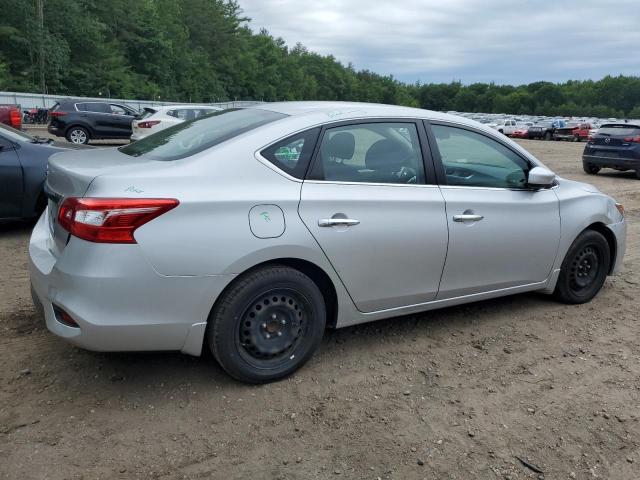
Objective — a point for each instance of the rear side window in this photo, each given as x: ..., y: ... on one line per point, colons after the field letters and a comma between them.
x: 98, y: 107
x: 293, y: 154
x: 194, y: 136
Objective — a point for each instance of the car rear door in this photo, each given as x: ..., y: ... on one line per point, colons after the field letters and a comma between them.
x: 501, y: 234
x: 11, y: 182
x: 372, y: 204
x: 120, y: 121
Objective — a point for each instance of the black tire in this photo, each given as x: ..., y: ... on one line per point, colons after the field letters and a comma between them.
x: 78, y: 135
x: 638, y: 174
x: 590, y: 169
x: 576, y: 138
x: 584, y: 269
x: 267, y: 324
x: 547, y: 136
x: 501, y: 131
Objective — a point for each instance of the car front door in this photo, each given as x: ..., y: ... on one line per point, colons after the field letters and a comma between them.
x: 376, y: 213
x: 501, y: 233
x: 11, y: 184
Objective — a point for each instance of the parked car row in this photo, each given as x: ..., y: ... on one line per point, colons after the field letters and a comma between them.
x: 82, y: 121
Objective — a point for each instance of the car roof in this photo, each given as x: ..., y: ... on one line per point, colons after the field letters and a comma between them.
x: 352, y: 109
x: 164, y: 108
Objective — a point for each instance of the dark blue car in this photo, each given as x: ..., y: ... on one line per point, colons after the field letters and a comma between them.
x: 23, y: 165
x: 615, y: 145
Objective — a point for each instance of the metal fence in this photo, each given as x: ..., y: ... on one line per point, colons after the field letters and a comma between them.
x: 35, y: 100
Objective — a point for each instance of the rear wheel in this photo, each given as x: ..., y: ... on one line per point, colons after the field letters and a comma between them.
x: 576, y: 138
x: 584, y: 268
x: 267, y: 324
x: 78, y: 135
x: 590, y: 169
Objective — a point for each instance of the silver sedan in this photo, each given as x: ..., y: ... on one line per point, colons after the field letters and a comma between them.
x: 250, y: 231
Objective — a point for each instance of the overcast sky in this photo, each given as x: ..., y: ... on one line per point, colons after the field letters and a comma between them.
x: 517, y: 41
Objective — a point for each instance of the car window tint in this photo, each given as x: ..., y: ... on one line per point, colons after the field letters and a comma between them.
x: 190, y: 137
x: 294, y: 153
x: 81, y: 107
x: 475, y: 160
x: 98, y: 107
x: 370, y: 153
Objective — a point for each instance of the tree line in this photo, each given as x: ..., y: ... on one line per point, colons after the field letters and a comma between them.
x: 204, y: 51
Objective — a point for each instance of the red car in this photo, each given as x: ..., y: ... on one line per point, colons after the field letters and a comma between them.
x: 521, y: 131
x: 576, y: 132
x: 10, y: 115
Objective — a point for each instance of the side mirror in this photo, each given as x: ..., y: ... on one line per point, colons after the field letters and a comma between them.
x: 540, y: 177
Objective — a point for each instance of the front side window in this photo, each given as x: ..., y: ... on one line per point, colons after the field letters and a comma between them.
x: 293, y: 154
x: 370, y: 153
x: 474, y: 160
x: 191, y: 137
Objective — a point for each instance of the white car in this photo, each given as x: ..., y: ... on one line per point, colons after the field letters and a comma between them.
x: 506, y: 127
x: 158, y: 118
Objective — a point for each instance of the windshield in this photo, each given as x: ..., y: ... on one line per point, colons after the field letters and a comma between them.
x: 193, y: 136
x: 15, y: 135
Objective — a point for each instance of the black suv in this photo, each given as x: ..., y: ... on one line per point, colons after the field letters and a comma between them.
x: 615, y: 145
x: 80, y: 121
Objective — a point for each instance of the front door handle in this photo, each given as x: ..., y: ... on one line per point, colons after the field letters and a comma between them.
x: 333, y: 222
x: 467, y: 218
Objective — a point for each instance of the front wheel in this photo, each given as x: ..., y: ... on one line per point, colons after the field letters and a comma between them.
x: 267, y: 324
x: 584, y: 268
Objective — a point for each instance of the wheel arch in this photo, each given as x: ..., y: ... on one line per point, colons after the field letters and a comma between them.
x: 314, y: 272
x: 611, y: 240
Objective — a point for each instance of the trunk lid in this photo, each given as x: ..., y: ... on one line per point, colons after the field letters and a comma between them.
x: 70, y: 174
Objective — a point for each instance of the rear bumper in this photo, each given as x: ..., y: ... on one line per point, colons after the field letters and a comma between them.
x: 118, y: 300
x: 52, y: 129
x: 612, y: 162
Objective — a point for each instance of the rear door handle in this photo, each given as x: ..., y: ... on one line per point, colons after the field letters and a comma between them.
x: 332, y: 222
x: 467, y: 218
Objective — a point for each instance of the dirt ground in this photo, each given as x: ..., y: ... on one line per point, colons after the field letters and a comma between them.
x: 452, y: 394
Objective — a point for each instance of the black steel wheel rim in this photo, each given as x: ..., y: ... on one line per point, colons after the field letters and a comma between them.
x: 273, y: 326
x: 584, y: 269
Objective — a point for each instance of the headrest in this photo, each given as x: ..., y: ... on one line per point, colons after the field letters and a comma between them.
x: 341, y: 145
x: 384, y: 154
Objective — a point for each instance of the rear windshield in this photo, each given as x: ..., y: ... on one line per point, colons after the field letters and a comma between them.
x: 193, y: 136
x: 622, y: 130
x: 147, y: 113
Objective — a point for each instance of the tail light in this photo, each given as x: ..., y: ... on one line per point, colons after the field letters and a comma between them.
x: 110, y: 220
x: 57, y: 114
x: 15, y: 119
x: 148, y: 124
x: 632, y: 139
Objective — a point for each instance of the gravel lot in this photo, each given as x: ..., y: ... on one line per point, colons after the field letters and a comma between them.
x: 457, y: 393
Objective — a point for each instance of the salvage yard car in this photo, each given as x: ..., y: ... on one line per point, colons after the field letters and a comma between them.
x: 23, y: 169
x: 158, y: 118
x: 576, y: 132
x: 81, y: 121
x: 614, y: 145
x: 249, y: 231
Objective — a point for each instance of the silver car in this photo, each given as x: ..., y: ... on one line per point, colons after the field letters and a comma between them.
x: 252, y: 230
